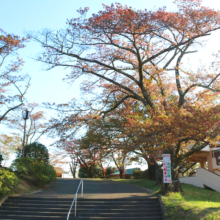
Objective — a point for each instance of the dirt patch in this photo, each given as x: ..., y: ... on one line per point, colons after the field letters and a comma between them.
x: 25, y: 187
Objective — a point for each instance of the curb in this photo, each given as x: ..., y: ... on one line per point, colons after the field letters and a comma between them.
x: 147, y: 190
x: 30, y: 193
x: 3, y: 198
x: 161, y: 206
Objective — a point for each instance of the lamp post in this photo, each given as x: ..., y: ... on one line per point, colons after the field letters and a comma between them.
x: 25, y: 114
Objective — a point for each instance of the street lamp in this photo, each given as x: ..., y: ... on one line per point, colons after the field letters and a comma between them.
x: 25, y: 114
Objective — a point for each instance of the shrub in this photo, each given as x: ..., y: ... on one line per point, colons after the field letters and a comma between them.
x: 110, y: 170
x: 138, y: 174
x: 22, y: 166
x: 40, y: 172
x: 83, y: 173
x: 8, y: 180
x: 43, y: 173
x: 91, y: 172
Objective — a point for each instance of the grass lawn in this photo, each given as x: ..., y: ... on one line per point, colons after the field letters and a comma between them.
x: 194, y: 204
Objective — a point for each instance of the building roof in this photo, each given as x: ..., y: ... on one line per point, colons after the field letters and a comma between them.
x: 60, y: 170
x: 127, y: 171
x: 207, y: 148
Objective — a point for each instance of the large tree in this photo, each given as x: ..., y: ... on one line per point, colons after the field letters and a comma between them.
x: 138, y: 55
x: 13, y: 86
x: 85, y: 155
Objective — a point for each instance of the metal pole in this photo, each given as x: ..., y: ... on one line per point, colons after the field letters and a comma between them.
x: 82, y: 189
x: 24, y: 137
x: 75, y: 205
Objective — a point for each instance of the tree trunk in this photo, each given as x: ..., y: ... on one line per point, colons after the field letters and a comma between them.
x: 155, y: 172
x: 174, y: 187
x: 74, y: 173
x: 73, y: 170
x: 92, y: 171
x: 152, y: 172
x: 1, y: 159
x: 159, y: 174
x: 121, y: 170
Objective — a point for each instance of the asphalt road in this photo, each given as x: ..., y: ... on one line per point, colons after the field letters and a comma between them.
x: 94, y: 189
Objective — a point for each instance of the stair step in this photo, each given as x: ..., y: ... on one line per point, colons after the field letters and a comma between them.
x: 57, y: 208
x: 38, y: 198
x: 30, y: 217
x: 93, y: 216
x: 125, y: 207
x: 37, y: 202
x: 118, y: 214
x: 80, y: 209
x: 79, y: 198
x: 123, y: 218
x: 38, y: 213
x: 85, y: 213
x: 4, y: 217
x: 35, y: 205
x: 79, y: 203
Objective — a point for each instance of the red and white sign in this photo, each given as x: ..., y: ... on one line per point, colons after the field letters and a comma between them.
x: 167, y: 168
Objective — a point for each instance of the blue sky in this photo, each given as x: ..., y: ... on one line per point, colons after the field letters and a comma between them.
x: 18, y: 16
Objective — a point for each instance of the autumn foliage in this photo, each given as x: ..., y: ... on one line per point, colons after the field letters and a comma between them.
x: 134, y: 61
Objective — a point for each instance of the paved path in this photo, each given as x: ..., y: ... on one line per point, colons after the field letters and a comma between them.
x: 95, y: 189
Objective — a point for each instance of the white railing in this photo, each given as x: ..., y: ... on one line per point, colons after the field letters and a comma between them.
x: 75, y: 199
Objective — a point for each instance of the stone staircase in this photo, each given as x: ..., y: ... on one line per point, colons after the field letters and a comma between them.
x: 57, y: 208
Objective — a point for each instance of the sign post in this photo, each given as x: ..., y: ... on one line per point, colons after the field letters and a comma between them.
x: 166, y: 169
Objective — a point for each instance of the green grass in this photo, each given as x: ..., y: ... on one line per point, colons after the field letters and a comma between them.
x: 194, y: 204
x: 148, y: 184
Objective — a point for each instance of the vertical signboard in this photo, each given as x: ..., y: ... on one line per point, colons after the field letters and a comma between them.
x: 166, y: 168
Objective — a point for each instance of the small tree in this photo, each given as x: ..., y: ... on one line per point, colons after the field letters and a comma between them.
x: 35, y: 164
x: 37, y: 152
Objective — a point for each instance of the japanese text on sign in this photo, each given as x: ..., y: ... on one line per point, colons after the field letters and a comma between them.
x: 166, y: 168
